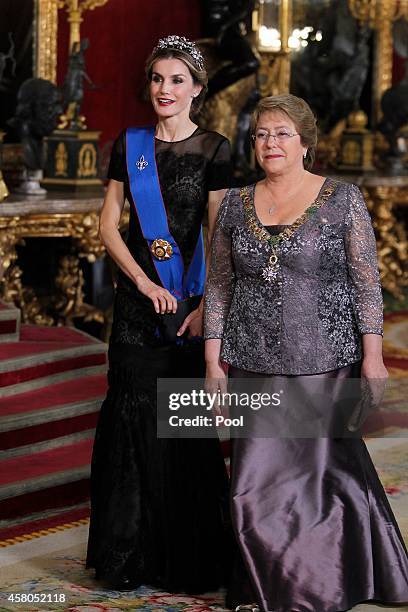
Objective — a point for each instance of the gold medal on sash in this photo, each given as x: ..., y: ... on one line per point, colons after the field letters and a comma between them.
x: 161, y: 249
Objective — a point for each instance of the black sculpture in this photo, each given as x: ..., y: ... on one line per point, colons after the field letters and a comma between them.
x: 331, y: 74
x: 394, y: 105
x: 37, y: 112
x: 36, y: 116
x: 225, y: 22
x: 347, y: 90
x: 73, y: 89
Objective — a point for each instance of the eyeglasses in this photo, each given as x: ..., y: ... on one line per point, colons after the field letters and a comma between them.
x: 280, y: 136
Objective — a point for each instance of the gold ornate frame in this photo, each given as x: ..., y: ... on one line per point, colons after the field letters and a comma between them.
x: 45, y: 27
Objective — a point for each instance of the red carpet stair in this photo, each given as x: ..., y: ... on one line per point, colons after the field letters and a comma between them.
x: 52, y: 383
x: 9, y: 323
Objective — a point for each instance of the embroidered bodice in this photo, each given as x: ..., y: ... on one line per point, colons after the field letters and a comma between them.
x: 310, y: 315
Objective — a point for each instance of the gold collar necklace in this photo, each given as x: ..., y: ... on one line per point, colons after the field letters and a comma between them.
x: 271, y: 271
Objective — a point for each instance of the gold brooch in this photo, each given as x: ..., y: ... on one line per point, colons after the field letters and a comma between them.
x: 161, y: 249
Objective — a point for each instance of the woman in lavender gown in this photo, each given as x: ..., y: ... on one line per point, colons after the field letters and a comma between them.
x: 294, y: 295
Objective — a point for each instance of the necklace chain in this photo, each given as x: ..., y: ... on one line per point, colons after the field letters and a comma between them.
x: 270, y: 272
x: 274, y: 205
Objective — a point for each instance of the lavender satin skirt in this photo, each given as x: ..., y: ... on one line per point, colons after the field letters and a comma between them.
x: 314, y: 528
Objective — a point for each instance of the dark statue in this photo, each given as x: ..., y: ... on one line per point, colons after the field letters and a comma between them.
x: 36, y: 116
x: 37, y: 112
x: 347, y: 90
x: 73, y: 89
x: 394, y: 105
x: 225, y: 22
x: 331, y: 74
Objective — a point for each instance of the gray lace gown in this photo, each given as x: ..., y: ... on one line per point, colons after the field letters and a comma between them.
x: 313, y: 525
x: 158, y: 506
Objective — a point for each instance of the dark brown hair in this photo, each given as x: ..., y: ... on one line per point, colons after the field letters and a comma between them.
x: 200, y: 77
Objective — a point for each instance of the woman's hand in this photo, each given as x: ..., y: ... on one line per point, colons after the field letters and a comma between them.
x: 162, y: 299
x: 373, y: 382
x: 194, y: 323
x: 375, y: 374
x: 216, y: 383
x: 374, y: 368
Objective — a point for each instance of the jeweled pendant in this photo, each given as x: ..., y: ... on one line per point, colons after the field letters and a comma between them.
x: 270, y: 273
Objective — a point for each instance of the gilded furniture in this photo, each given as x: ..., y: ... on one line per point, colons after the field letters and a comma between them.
x: 53, y: 216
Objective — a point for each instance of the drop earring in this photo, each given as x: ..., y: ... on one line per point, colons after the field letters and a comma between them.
x: 304, y: 154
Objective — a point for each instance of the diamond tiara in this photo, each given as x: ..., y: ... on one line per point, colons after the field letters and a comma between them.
x: 183, y: 44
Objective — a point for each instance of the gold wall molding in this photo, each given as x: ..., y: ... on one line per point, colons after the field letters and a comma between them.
x: 45, y: 29
x: 387, y: 12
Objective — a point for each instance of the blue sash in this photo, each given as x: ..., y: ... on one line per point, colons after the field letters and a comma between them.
x: 151, y: 211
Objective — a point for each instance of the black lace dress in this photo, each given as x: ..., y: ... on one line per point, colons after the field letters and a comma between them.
x: 158, y: 505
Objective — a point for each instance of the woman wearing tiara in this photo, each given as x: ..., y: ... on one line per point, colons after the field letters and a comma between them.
x: 158, y: 504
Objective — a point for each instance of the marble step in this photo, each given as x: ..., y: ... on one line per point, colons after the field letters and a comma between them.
x: 10, y: 319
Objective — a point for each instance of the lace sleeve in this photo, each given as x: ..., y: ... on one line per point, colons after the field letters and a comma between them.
x: 362, y: 266
x: 221, y: 276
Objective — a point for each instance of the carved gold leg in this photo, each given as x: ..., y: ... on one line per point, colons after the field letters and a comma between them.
x: 33, y: 311
x: 12, y: 289
x: 10, y: 274
x: 24, y: 298
x: 69, y: 304
x: 391, y: 239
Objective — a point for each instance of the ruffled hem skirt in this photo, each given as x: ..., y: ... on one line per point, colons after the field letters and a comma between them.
x: 159, y: 507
